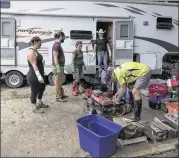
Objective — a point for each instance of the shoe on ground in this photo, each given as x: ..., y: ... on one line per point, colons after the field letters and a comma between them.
x: 77, y: 90
x: 38, y: 111
x: 64, y: 96
x: 42, y: 105
x: 60, y: 100
x: 74, y: 93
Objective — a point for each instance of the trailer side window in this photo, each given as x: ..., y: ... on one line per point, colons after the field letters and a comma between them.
x: 77, y: 34
x: 164, y: 23
x: 6, y: 29
x: 124, y: 33
x: 5, y: 4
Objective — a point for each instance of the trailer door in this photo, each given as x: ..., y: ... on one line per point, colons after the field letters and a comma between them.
x: 8, y: 38
x: 123, y: 42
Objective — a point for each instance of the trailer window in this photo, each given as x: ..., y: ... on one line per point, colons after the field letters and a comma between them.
x: 77, y: 34
x: 164, y: 23
x: 6, y: 29
x: 5, y: 4
x: 124, y: 33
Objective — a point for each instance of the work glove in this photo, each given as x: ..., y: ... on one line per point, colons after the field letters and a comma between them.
x: 73, y: 67
x: 58, y: 68
x: 39, y: 77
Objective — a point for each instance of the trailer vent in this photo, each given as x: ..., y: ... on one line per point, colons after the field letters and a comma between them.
x: 77, y: 34
x: 164, y: 23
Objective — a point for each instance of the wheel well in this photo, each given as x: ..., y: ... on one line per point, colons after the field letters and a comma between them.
x: 14, y: 70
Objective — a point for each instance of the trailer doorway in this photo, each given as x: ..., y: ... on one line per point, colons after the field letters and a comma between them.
x: 108, y: 28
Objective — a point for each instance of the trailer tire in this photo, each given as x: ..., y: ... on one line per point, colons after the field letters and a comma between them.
x: 51, y: 79
x: 14, y: 79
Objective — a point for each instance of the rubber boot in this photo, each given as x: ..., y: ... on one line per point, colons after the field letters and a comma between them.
x: 74, y: 91
x: 137, y: 109
x: 77, y: 88
x: 131, y: 99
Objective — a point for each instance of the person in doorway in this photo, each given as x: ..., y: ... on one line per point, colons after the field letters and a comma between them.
x: 35, y: 75
x: 136, y: 74
x: 77, y: 67
x: 101, y: 46
x: 58, y: 62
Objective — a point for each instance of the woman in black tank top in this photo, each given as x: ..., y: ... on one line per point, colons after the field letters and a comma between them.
x: 35, y: 75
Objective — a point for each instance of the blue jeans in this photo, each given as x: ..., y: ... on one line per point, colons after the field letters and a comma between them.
x: 102, y: 60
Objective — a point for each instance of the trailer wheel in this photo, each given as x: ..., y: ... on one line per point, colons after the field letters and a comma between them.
x: 51, y: 79
x: 14, y: 79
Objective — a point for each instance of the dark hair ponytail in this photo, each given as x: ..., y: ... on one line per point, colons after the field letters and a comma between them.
x: 34, y: 40
x: 59, y: 34
x: 77, y: 43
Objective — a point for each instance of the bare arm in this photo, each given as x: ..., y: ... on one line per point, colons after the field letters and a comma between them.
x: 109, y: 49
x: 118, y: 96
x: 95, y: 48
x: 31, y: 56
x: 55, y: 56
x: 73, y: 57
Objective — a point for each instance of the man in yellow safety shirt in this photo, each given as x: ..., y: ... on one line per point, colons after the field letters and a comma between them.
x: 132, y: 73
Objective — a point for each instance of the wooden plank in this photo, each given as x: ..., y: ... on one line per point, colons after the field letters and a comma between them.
x: 133, y: 140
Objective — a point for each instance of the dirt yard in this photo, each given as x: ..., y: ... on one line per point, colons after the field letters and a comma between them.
x: 52, y: 134
x: 55, y: 133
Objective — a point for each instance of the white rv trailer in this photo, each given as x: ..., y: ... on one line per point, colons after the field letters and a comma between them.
x: 139, y: 32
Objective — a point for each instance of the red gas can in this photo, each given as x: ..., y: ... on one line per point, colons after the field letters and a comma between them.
x: 157, y: 90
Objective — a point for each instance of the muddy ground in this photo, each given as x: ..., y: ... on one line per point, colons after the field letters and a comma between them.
x: 54, y: 133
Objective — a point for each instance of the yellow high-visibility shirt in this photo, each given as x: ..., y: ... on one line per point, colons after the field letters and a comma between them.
x: 130, y: 71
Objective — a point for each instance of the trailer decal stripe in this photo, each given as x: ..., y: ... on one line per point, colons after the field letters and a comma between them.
x: 137, y: 9
x: 176, y: 23
x: 168, y: 46
x: 133, y: 11
x: 18, y: 36
x: 51, y: 9
x: 106, y: 5
x: 157, y: 14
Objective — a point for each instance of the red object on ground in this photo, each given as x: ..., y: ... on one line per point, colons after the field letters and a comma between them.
x: 174, y: 83
x: 103, y: 100
x: 88, y: 92
x: 157, y: 90
x: 172, y: 107
x: 77, y: 90
x: 74, y: 92
x: 108, y: 94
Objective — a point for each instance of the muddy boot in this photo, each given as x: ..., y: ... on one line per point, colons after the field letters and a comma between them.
x: 77, y: 89
x: 131, y: 101
x: 60, y: 100
x: 42, y: 105
x: 74, y: 92
x: 74, y: 89
x: 38, y: 110
x: 63, y: 95
x: 137, y: 109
